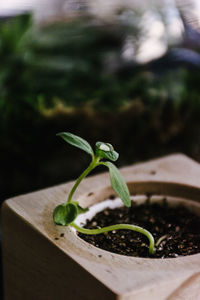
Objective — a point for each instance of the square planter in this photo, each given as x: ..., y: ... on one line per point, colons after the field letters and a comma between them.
x: 49, y: 262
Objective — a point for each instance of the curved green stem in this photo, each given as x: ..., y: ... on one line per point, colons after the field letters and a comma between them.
x: 116, y: 227
x: 93, y: 164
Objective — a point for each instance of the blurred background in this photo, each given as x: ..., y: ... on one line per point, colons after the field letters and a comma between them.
x: 124, y: 72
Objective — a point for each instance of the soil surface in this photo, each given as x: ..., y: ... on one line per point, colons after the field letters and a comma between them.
x: 175, y: 229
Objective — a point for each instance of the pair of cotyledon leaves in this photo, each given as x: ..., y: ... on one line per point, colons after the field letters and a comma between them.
x: 103, y: 150
x: 65, y: 214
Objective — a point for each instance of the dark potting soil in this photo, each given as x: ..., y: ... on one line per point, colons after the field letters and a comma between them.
x: 177, y: 228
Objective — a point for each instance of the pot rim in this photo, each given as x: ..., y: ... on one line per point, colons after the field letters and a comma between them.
x: 177, y: 191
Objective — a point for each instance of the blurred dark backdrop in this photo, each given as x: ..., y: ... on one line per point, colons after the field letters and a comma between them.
x: 89, y: 76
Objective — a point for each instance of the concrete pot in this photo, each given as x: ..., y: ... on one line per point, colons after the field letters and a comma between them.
x: 39, y: 263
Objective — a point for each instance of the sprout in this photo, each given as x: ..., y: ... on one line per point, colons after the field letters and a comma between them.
x: 65, y: 214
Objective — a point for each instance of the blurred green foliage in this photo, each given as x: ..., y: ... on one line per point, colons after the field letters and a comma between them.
x: 69, y: 76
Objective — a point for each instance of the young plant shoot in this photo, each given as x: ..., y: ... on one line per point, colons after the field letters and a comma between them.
x: 65, y: 214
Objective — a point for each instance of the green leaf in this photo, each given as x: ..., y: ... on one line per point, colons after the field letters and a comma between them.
x: 65, y: 214
x: 105, y: 150
x: 76, y: 141
x: 118, y: 184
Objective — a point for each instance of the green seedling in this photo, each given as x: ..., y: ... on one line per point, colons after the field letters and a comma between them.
x: 65, y: 214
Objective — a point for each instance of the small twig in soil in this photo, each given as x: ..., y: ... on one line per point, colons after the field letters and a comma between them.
x: 162, y: 238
